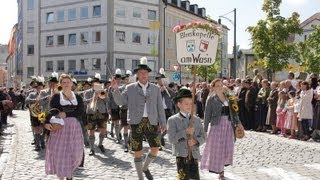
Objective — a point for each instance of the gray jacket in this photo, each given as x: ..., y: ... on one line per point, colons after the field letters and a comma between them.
x: 134, y: 97
x: 44, y: 98
x: 111, y: 102
x: 177, y: 136
x: 212, y: 113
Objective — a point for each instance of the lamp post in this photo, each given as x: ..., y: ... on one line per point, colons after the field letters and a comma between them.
x: 234, y: 22
x: 164, y: 33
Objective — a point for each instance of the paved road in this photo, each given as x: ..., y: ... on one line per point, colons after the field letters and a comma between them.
x: 257, y: 156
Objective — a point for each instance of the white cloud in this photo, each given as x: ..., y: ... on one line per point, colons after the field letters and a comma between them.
x: 295, y: 2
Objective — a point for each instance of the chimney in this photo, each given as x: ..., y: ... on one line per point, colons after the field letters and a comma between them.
x: 194, y: 8
x: 179, y: 3
x: 202, y: 12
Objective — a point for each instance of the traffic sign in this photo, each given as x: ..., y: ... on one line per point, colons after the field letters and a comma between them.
x: 176, y: 76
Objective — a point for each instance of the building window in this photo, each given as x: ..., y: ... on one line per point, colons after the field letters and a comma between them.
x: 169, y: 43
x: 49, y: 41
x: 30, y: 4
x: 60, y: 39
x: 72, y: 14
x: 30, y: 50
x: 96, y: 63
x: 120, y: 36
x: 84, y: 12
x: 136, y: 37
x: 96, y: 11
x: 120, y: 64
x: 49, y: 66
x: 96, y: 36
x: 83, y: 64
x: 152, y: 15
x: 50, y: 17
x: 60, y: 16
x: 72, y: 39
x: 60, y: 65
x: 84, y: 37
x: 30, y: 71
x: 30, y: 27
x: 136, y: 12
x: 151, y: 38
x: 121, y: 12
x: 135, y: 63
x: 71, y: 65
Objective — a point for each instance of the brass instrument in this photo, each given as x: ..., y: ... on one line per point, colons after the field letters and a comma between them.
x: 102, y: 94
x: 35, y: 109
x: 57, y: 88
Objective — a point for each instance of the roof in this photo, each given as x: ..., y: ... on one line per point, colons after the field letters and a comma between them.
x: 191, y: 12
x: 316, y: 16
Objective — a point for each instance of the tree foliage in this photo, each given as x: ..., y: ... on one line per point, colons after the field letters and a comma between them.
x: 309, y: 51
x: 269, y: 37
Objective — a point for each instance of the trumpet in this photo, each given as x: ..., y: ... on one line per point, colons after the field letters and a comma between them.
x: 102, y: 94
x: 57, y: 88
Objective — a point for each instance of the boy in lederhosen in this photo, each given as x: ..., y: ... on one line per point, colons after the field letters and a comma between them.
x: 178, y: 132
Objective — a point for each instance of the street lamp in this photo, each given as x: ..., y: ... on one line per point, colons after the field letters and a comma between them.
x: 234, y: 62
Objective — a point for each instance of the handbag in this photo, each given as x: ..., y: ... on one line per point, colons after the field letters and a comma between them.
x: 57, y: 123
x: 239, y: 132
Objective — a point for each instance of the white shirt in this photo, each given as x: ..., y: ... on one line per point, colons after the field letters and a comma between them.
x: 144, y: 89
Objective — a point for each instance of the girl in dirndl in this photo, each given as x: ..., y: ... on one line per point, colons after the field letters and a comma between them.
x: 289, y: 118
x: 65, y: 146
x: 281, y: 112
x: 219, y: 148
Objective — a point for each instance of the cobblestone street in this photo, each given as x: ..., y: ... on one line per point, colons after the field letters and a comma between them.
x: 257, y: 156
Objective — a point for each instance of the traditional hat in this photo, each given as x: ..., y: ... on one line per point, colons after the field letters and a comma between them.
x: 107, y: 81
x: 54, y: 77
x: 160, y: 74
x: 128, y: 74
x: 74, y: 81
x: 88, y: 81
x: 143, y: 65
x: 118, y: 75
x: 182, y: 93
x: 33, y: 80
x: 40, y: 80
x: 97, y: 78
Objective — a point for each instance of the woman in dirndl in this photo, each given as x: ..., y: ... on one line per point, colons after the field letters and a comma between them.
x: 219, y: 148
x: 65, y: 145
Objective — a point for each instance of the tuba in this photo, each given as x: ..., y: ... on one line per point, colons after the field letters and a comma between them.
x: 35, y: 109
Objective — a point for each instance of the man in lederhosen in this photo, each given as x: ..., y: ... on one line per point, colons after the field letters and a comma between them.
x: 167, y: 95
x: 145, y: 113
x: 45, y: 96
x: 33, y: 98
x: 114, y: 109
x: 124, y: 111
x: 97, y: 113
x: 32, y: 88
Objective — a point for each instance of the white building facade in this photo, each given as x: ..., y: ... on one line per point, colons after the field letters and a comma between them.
x: 84, y: 37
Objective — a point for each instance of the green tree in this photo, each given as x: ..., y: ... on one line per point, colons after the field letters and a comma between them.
x: 269, y: 37
x: 309, y: 51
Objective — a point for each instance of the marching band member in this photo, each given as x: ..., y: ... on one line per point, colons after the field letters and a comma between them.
x: 124, y: 111
x: 97, y: 113
x: 33, y: 101
x: 46, y: 94
x: 167, y: 96
x: 114, y: 109
x: 145, y: 113
x: 32, y: 88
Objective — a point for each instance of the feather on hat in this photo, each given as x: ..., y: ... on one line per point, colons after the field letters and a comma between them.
x: 143, y: 65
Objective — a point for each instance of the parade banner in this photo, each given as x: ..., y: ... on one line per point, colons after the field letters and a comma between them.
x: 196, y: 43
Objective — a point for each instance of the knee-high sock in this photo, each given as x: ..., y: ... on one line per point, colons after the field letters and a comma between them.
x: 37, y: 139
x: 101, y: 138
x: 148, y: 161
x: 138, y: 165
x: 91, y: 142
x: 126, y: 139
x: 112, y: 126
x: 117, y: 130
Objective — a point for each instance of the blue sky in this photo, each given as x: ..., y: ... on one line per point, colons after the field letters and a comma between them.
x: 248, y: 13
